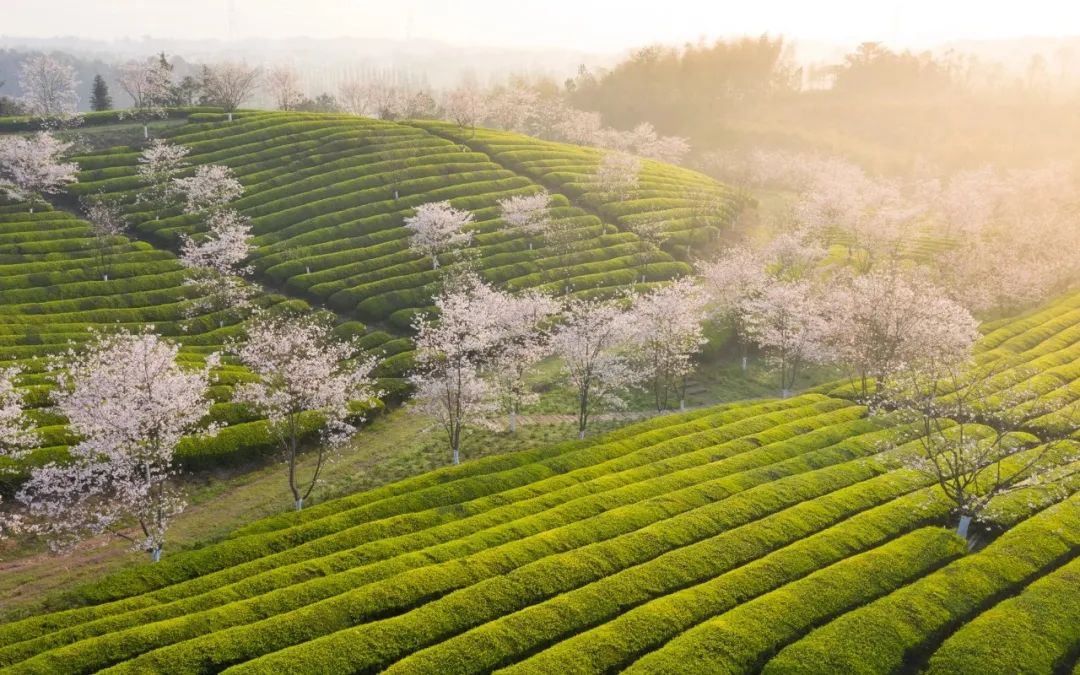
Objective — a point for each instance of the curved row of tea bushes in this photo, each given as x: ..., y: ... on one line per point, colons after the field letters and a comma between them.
x: 390, y: 512
x: 1041, y: 627
x: 743, y: 639
x: 902, y: 626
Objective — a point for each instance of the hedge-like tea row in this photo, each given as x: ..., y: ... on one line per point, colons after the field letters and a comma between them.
x: 503, y: 580
x: 1041, y: 626
x: 694, y: 208
x: 513, y: 636
x: 534, y: 475
x: 327, y: 195
x: 51, y: 300
x: 741, y: 640
x: 563, y: 510
x: 902, y: 625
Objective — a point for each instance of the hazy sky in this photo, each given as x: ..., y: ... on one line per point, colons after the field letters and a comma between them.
x: 591, y: 25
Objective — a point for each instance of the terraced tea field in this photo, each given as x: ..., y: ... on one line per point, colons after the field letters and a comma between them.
x: 775, y: 535
x: 55, y: 291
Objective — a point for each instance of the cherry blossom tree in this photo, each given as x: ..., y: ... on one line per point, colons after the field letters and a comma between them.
x: 590, y: 342
x: 305, y: 375
x: 731, y: 281
x: 212, y: 187
x: 887, y: 321
x: 522, y: 342
x: 451, y: 350
x: 528, y: 214
x: 284, y: 85
x: 617, y: 175
x: 216, y: 260
x: 30, y: 166
x: 666, y: 332
x: 353, y: 96
x: 644, y: 141
x: 787, y: 322
x: 652, y: 233
x: 149, y: 84
x: 48, y: 87
x: 229, y: 84
x: 466, y: 106
x: 130, y: 402
x: 512, y: 108
x: 159, y: 163
x: 106, y: 221
x: 16, y: 437
x: 794, y: 253
x: 973, y: 442
x: 437, y: 228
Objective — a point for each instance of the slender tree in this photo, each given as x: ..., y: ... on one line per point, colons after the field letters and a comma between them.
x: 229, y: 84
x: 306, y: 377
x: 107, y: 221
x: 284, y: 85
x: 159, y: 164
x: 589, y: 341
x: 48, y: 87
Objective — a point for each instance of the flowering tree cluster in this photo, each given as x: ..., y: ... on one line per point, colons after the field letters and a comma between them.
x: 130, y: 401
x: 304, y: 371
x: 436, y: 228
x: 216, y: 262
x: 31, y: 166
x: 212, y: 187
x: 284, y: 85
x: 149, y: 84
x: 666, y: 332
x: 229, y: 83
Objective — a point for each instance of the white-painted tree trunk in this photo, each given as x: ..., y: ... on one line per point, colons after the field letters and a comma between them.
x: 513, y: 421
x: 581, y: 434
x: 299, y: 503
x: 785, y: 393
x: 434, y: 262
x: 105, y: 277
x: 682, y: 404
x: 962, y: 528
x: 744, y: 364
x: 457, y: 457
x: 155, y: 555
x: 230, y: 117
x: 145, y: 131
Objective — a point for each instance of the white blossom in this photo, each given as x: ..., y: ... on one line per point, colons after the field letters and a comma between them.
x: 30, y: 165
x: 229, y: 83
x: 437, y: 227
x: 302, y: 369
x: 48, y: 86
x: 617, y: 174
x: 159, y: 163
x: 787, y: 322
x: 590, y: 341
x: 212, y: 187
x: 130, y: 402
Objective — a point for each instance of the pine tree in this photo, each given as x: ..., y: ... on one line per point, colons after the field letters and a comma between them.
x: 100, y: 98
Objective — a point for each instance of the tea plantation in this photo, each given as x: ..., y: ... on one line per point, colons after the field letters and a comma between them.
x: 779, y: 536
x: 776, y: 535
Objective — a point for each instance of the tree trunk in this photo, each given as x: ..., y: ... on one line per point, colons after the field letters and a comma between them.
x: 457, y: 456
x: 299, y: 503
x: 682, y: 404
x: 155, y: 554
x: 145, y: 131
x: 744, y: 364
x: 962, y: 527
x: 434, y: 262
x: 513, y: 421
x: 785, y: 393
x: 230, y: 117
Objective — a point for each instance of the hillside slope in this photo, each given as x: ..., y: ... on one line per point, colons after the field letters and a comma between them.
x: 775, y: 534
